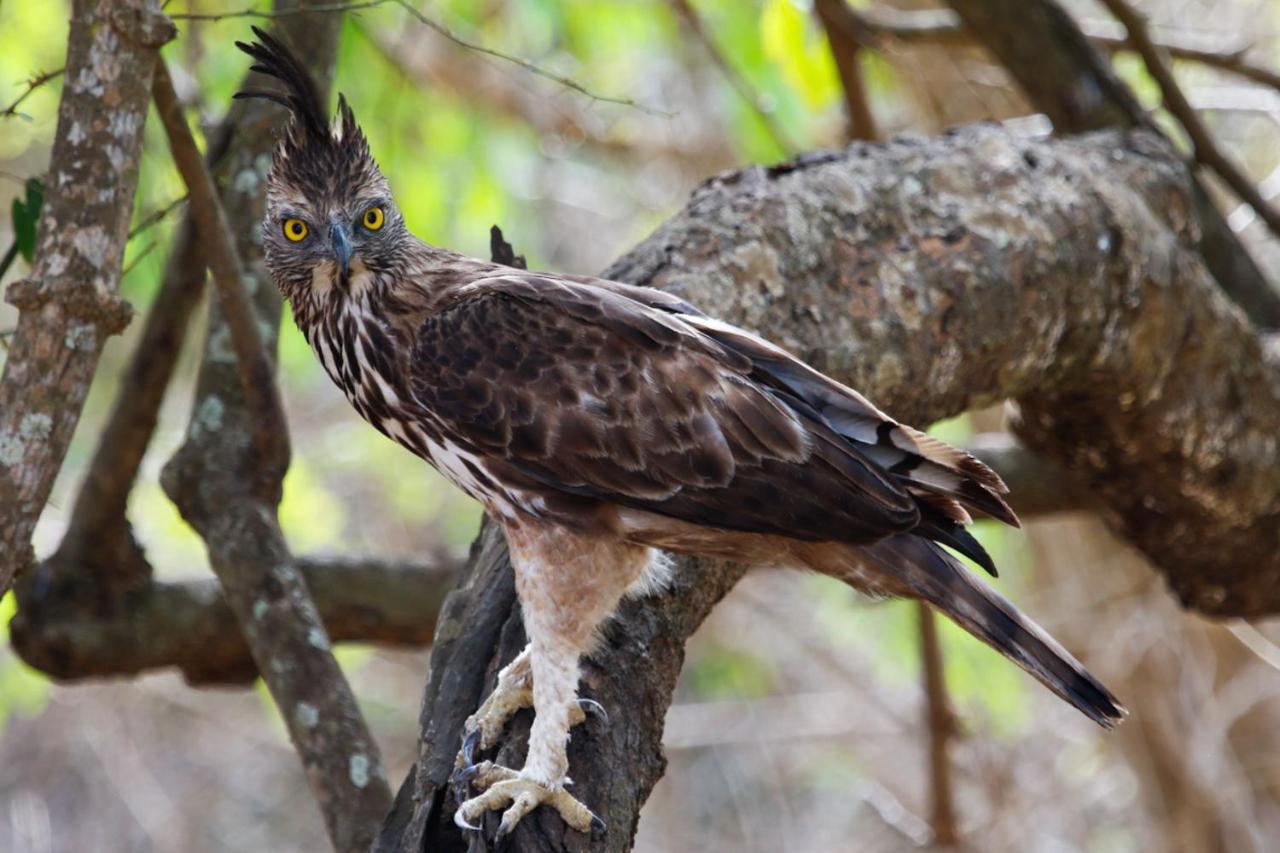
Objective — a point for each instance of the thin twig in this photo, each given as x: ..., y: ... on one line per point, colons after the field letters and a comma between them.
x: 146, y: 250
x: 567, y: 82
x: 156, y: 216
x: 943, y: 26
x: 34, y: 83
x: 698, y: 29
x: 942, y: 725
x: 251, y: 12
x: 1204, y: 148
x: 438, y: 27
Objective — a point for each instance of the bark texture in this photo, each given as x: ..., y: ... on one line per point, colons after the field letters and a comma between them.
x: 902, y: 269
x: 69, y: 303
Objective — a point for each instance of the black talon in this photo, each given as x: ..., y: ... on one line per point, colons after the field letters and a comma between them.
x: 592, y: 708
x: 597, y: 825
x: 469, y: 747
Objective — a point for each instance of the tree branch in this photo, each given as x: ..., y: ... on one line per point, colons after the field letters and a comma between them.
x: 695, y: 26
x: 910, y: 269
x: 226, y: 480
x: 1060, y: 72
x: 1204, y: 148
x: 940, y: 722
x: 69, y: 304
x: 64, y: 630
x: 841, y: 26
x: 876, y: 26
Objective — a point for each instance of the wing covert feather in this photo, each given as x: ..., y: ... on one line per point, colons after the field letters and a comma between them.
x: 587, y: 391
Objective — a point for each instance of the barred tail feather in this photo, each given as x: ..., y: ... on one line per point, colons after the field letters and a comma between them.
x: 941, y: 580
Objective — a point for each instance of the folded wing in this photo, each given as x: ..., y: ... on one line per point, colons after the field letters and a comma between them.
x: 591, y: 392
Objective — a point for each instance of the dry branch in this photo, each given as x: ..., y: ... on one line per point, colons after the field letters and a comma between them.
x: 69, y: 304
x: 901, y: 269
x: 841, y: 26
x: 878, y: 26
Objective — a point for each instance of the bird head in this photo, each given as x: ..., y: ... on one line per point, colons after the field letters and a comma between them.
x: 329, y: 216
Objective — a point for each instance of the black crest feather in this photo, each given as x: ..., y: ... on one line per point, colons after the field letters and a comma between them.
x: 312, y: 156
x: 301, y: 95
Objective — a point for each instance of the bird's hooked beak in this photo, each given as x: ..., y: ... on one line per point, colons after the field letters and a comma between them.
x: 340, y: 238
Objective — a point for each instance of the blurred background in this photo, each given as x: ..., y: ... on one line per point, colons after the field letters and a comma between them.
x: 799, y: 722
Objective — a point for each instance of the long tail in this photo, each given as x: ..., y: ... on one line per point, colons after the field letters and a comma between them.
x: 941, y: 580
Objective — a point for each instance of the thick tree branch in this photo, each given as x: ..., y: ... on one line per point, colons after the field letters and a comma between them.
x: 900, y: 268
x: 1067, y: 79
x: 65, y: 631
x: 69, y: 304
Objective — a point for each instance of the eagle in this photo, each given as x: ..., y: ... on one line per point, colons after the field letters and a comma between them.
x: 604, y: 425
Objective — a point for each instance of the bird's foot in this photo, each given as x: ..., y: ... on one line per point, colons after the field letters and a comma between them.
x: 483, y: 728
x: 504, y: 788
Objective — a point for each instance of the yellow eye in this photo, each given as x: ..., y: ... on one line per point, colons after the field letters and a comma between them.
x: 373, y: 218
x: 295, y: 229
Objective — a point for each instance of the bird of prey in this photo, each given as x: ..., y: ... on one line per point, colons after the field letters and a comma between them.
x: 602, y: 424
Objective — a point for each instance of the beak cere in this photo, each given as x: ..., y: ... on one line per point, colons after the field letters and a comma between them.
x: 340, y: 240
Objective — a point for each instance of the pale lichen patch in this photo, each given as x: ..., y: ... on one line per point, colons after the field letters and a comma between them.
x: 359, y: 770
x: 316, y: 637
x: 93, y: 244
x: 307, y: 715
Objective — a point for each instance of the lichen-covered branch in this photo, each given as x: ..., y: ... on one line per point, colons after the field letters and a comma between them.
x: 190, y: 627
x: 901, y: 269
x: 226, y: 478
x: 69, y: 303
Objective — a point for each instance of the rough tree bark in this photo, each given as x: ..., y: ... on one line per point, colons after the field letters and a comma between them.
x: 902, y: 269
x: 69, y: 304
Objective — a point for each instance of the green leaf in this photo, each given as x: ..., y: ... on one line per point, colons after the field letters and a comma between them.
x: 26, y: 215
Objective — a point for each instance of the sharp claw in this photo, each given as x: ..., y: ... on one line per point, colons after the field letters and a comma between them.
x: 597, y: 825
x: 469, y: 747
x: 594, y: 709
x: 462, y: 776
x: 461, y: 822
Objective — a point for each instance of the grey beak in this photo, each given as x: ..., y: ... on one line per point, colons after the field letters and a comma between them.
x: 340, y: 238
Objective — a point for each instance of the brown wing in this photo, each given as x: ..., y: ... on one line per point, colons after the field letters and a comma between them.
x: 592, y: 393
